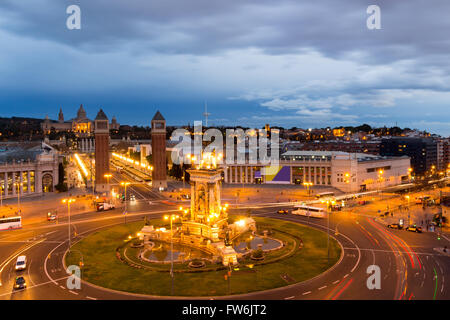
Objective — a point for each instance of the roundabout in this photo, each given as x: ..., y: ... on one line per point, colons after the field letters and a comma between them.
x: 113, y: 260
x: 203, y: 251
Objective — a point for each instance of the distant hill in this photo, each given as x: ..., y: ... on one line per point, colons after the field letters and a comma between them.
x: 20, y: 128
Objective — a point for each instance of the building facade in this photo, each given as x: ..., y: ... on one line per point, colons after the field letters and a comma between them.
x: 101, y: 132
x: 345, y: 171
x: 443, y: 154
x: 422, y: 151
x: 159, y: 175
x: 28, y: 169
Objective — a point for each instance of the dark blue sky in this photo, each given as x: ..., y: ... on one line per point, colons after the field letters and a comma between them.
x: 288, y: 63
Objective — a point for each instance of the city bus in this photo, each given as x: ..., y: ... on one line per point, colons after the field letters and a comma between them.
x: 324, y: 195
x: 309, y: 211
x: 11, y: 223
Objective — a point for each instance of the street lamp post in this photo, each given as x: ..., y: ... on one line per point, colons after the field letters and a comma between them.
x: 171, y: 217
x: 125, y: 184
x: 107, y: 176
x: 307, y: 185
x: 18, y: 195
x: 1, y: 194
x: 328, y: 230
x: 68, y: 201
x: 409, y: 213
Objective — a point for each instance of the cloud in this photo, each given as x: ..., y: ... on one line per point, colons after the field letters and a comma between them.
x: 314, y: 61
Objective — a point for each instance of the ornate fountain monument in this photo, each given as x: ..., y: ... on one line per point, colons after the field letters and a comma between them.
x: 205, y: 226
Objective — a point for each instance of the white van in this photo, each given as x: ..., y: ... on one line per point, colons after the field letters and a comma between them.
x: 21, y: 263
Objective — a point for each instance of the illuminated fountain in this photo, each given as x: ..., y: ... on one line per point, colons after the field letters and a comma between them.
x: 205, y: 225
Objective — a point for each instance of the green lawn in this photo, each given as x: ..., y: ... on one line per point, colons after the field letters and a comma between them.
x: 102, y: 267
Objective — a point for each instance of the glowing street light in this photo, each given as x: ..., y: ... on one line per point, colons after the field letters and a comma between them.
x: 307, y: 185
x: 125, y: 184
x: 18, y: 195
x: 107, y: 176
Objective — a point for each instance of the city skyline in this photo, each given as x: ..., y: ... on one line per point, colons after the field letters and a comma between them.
x: 286, y: 64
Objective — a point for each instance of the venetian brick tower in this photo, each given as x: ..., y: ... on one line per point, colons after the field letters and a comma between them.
x: 101, y: 131
x: 159, y: 151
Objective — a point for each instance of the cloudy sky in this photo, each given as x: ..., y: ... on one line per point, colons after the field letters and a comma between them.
x: 284, y: 62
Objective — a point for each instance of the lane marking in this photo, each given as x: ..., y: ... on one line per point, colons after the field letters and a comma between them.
x: 435, y: 289
x: 305, y: 293
x: 322, y: 287
x: 31, y: 287
x: 288, y: 298
x: 342, y: 290
x: 91, y: 298
x: 29, y: 275
x: 14, y: 256
x: 73, y: 292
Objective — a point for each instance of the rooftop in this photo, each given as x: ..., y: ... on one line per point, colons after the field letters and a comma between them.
x: 330, y: 154
x: 158, y: 116
x: 22, y: 151
x: 101, y: 115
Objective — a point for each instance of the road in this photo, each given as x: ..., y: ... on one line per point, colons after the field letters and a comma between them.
x: 410, y: 267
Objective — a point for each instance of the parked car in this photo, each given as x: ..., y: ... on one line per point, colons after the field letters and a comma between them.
x: 414, y: 229
x: 395, y: 226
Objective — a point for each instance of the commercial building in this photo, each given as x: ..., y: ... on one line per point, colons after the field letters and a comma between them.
x: 422, y: 151
x: 349, y: 172
x: 351, y: 146
x: 27, y: 168
x: 443, y: 154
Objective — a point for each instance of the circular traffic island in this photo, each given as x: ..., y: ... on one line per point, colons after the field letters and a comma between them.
x: 277, y: 254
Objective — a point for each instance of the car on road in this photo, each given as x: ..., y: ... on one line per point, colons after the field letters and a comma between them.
x: 132, y: 197
x: 395, y: 226
x: 103, y: 206
x: 51, y: 216
x: 19, y: 283
x: 21, y: 263
x: 414, y: 229
x: 283, y: 211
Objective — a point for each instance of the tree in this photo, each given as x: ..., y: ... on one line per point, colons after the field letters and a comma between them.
x: 176, y: 171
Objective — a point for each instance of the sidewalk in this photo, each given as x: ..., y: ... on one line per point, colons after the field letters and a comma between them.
x: 35, y: 208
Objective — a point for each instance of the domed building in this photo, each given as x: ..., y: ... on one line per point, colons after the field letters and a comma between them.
x: 81, y: 125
